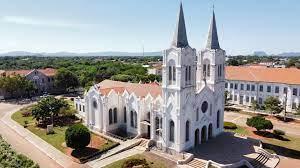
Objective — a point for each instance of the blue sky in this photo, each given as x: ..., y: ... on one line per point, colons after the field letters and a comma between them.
x: 125, y: 25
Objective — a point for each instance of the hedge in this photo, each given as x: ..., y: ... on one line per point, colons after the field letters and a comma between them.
x: 229, y: 125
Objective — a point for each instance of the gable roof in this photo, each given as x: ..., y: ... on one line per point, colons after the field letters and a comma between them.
x: 141, y: 90
x: 263, y: 74
x: 24, y: 72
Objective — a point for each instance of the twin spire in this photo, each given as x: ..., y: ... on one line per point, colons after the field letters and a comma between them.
x: 180, y: 37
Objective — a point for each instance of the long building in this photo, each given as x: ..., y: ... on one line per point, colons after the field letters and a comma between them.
x: 248, y: 83
x: 43, y: 79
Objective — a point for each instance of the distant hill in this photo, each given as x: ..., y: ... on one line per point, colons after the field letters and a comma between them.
x: 89, y: 54
x: 290, y: 54
x: 260, y: 53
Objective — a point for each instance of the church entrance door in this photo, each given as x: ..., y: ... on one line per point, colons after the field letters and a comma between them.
x: 210, y: 131
x: 196, y: 137
x: 203, y: 134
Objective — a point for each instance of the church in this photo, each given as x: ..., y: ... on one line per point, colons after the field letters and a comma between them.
x: 185, y: 110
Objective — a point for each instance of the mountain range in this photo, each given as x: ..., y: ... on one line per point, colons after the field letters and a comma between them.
x: 88, y: 54
x: 118, y: 53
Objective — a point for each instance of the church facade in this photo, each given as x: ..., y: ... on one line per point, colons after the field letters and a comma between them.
x: 185, y: 110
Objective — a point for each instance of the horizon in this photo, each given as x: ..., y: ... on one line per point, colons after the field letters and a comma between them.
x: 79, y: 27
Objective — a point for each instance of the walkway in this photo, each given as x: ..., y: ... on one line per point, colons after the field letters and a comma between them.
x: 29, y: 144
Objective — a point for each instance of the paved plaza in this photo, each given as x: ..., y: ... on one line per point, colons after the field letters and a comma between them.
x: 225, y: 149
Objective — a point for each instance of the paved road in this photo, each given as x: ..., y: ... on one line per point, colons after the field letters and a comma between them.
x: 20, y: 144
x: 240, y: 119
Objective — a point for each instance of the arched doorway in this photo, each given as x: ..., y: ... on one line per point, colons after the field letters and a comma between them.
x: 196, y: 137
x: 210, y: 131
x: 203, y: 134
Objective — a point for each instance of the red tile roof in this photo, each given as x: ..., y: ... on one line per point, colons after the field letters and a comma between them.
x: 263, y: 74
x: 141, y: 90
x: 47, y: 72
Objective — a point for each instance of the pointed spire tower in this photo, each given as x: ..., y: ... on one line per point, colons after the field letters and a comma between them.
x: 212, y: 39
x: 180, y: 37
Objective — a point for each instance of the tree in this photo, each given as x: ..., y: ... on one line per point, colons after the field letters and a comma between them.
x: 77, y: 136
x: 273, y: 105
x: 254, y: 105
x: 48, y: 107
x: 226, y: 97
x: 259, y: 123
x: 233, y: 62
x: 17, y: 86
x: 65, y: 79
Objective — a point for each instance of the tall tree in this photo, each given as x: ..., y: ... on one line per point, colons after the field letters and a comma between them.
x: 65, y: 79
x: 273, y: 105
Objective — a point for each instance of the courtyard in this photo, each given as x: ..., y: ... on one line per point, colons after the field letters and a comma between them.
x: 225, y: 149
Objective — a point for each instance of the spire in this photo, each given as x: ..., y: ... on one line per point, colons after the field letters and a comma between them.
x: 180, y: 38
x: 212, y: 39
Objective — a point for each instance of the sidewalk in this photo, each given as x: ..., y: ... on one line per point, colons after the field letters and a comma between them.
x: 47, y: 149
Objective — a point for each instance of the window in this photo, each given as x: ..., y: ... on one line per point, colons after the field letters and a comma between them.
x: 174, y: 73
x: 252, y: 99
x: 261, y: 88
x: 208, y: 70
x: 276, y: 89
x: 115, y: 115
x: 171, y: 136
x: 252, y: 87
x: 247, y: 99
x: 285, y: 90
x: 248, y: 87
x: 204, y: 70
x: 226, y: 85
x: 125, y: 115
x: 95, y: 104
x: 231, y: 85
x: 295, y: 91
x: 218, y: 119
x: 235, y: 86
x: 110, y: 116
x: 156, y: 125
x: 204, y: 107
x: 131, y: 119
x: 83, y: 109
x: 43, y: 80
x: 48, y: 79
x: 186, y: 74
x: 260, y: 101
x: 197, y: 114
x: 80, y: 107
x: 242, y: 86
x: 187, y: 131
x: 235, y: 97
x: 294, y: 106
x: 76, y: 106
x: 170, y: 73
x: 269, y: 89
x: 210, y: 109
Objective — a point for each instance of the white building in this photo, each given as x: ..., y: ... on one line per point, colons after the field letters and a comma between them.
x: 186, y: 110
x: 246, y: 84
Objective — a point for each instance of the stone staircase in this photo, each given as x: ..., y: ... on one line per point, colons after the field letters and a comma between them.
x: 197, y: 163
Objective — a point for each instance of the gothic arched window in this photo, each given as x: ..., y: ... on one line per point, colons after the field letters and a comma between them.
x: 110, y: 116
x: 115, y: 115
x: 204, y: 107
x: 187, y: 131
x: 125, y: 115
x: 218, y: 119
x: 156, y: 125
x: 171, y: 131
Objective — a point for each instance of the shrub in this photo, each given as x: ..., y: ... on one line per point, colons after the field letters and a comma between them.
x: 26, y: 113
x: 259, y: 123
x: 135, y: 162
x: 77, y: 136
x: 278, y: 132
x: 229, y: 125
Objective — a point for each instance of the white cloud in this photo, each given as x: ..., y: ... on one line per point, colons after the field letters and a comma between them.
x: 40, y: 22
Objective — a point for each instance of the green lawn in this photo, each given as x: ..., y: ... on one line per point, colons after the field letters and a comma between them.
x: 152, y: 163
x: 55, y: 140
x: 240, y: 131
x: 58, y: 138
